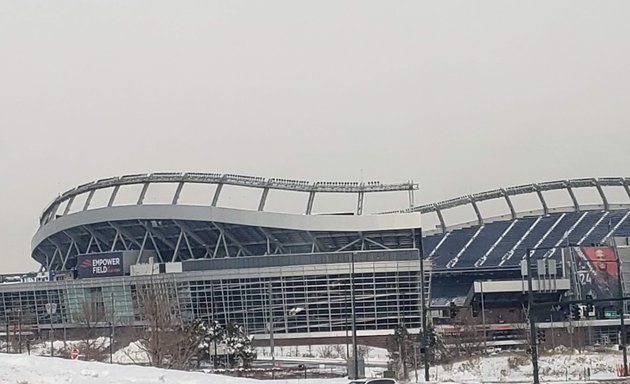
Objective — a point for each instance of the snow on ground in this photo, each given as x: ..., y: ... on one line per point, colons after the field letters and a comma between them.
x: 514, y: 368
x: 131, y: 354
x: 23, y: 369
x: 504, y: 367
x: 322, y: 351
x: 43, y: 348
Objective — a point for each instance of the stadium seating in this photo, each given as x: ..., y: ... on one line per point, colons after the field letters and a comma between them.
x: 504, y: 243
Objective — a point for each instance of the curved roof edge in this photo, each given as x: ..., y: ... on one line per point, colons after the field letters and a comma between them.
x: 535, y: 188
x: 221, y: 179
x: 347, y: 223
x: 526, y: 189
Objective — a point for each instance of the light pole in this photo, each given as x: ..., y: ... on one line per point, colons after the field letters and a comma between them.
x: 271, y: 349
x: 111, y: 331
x: 532, y: 321
x: 214, y: 329
x: 483, y: 320
x: 340, y: 287
x: 51, y: 309
x: 423, y: 314
x: 345, y: 323
x: 355, y: 356
x: 622, y: 313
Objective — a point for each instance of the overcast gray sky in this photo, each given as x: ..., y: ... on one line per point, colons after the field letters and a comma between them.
x: 459, y: 96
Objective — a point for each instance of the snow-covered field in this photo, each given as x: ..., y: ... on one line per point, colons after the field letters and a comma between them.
x: 22, y: 369
x: 507, y: 367
x: 569, y: 368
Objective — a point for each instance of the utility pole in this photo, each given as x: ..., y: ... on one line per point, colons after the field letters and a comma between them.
x: 214, y: 329
x: 355, y: 356
x: 423, y: 314
x: 483, y: 320
x: 622, y: 314
x: 345, y: 322
x: 111, y: 331
x: 532, y: 321
x: 273, y: 357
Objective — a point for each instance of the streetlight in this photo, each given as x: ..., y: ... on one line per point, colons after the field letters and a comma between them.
x: 111, y: 331
x: 51, y: 309
x: 624, y: 335
x: 423, y: 321
x: 345, y: 314
x: 271, y: 344
x: 532, y: 322
x: 354, y: 319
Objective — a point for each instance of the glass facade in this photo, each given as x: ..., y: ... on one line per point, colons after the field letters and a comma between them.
x: 296, y: 299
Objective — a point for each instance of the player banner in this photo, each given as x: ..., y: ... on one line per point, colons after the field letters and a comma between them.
x: 597, y: 272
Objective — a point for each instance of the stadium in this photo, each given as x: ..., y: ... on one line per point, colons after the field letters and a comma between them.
x: 306, y: 275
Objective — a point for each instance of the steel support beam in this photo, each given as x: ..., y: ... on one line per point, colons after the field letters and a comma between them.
x: 216, y: 245
x: 217, y: 193
x: 320, y: 247
x: 114, y: 242
x: 112, y: 197
x: 509, y: 203
x: 360, y: 199
x: 88, y: 200
x: 476, y: 208
x: 576, y: 205
x: 97, y: 236
x: 76, y: 240
x: 58, y: 250
x: 227, y: 235
x: 190, y: 250
x: 124, y: 233
x: 179, y: 241
x: 143, y: 193
x: 51, y: 261
x: 438, y: 211
x: 188, y: 231
x: 626, y: 187
x: 144, y: 241
x: 160, y: 236
x: 263, y: 199
x: 272, y: 240
x: 376, y: 243
x: 309, y: 204
x: 350, y: 244
x: 600, y: 190
x: 157, y: 249
x: 542, y: 199
x: 65, y: 211
x: 178, y: 192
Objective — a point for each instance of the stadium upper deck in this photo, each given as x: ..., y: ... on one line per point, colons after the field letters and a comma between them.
x: 178, y: 232
x: 502, y: 241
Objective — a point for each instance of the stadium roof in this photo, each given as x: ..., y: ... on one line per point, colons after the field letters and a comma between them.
x: 536, y: 188
x: 179, y: 232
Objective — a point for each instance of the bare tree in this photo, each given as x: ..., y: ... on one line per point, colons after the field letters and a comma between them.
x: 91, y: 316
x: 341, y: 351
x: 326, y: 352
x: 401, y: 350
x: 470, y: 340
x: 167, y: 341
